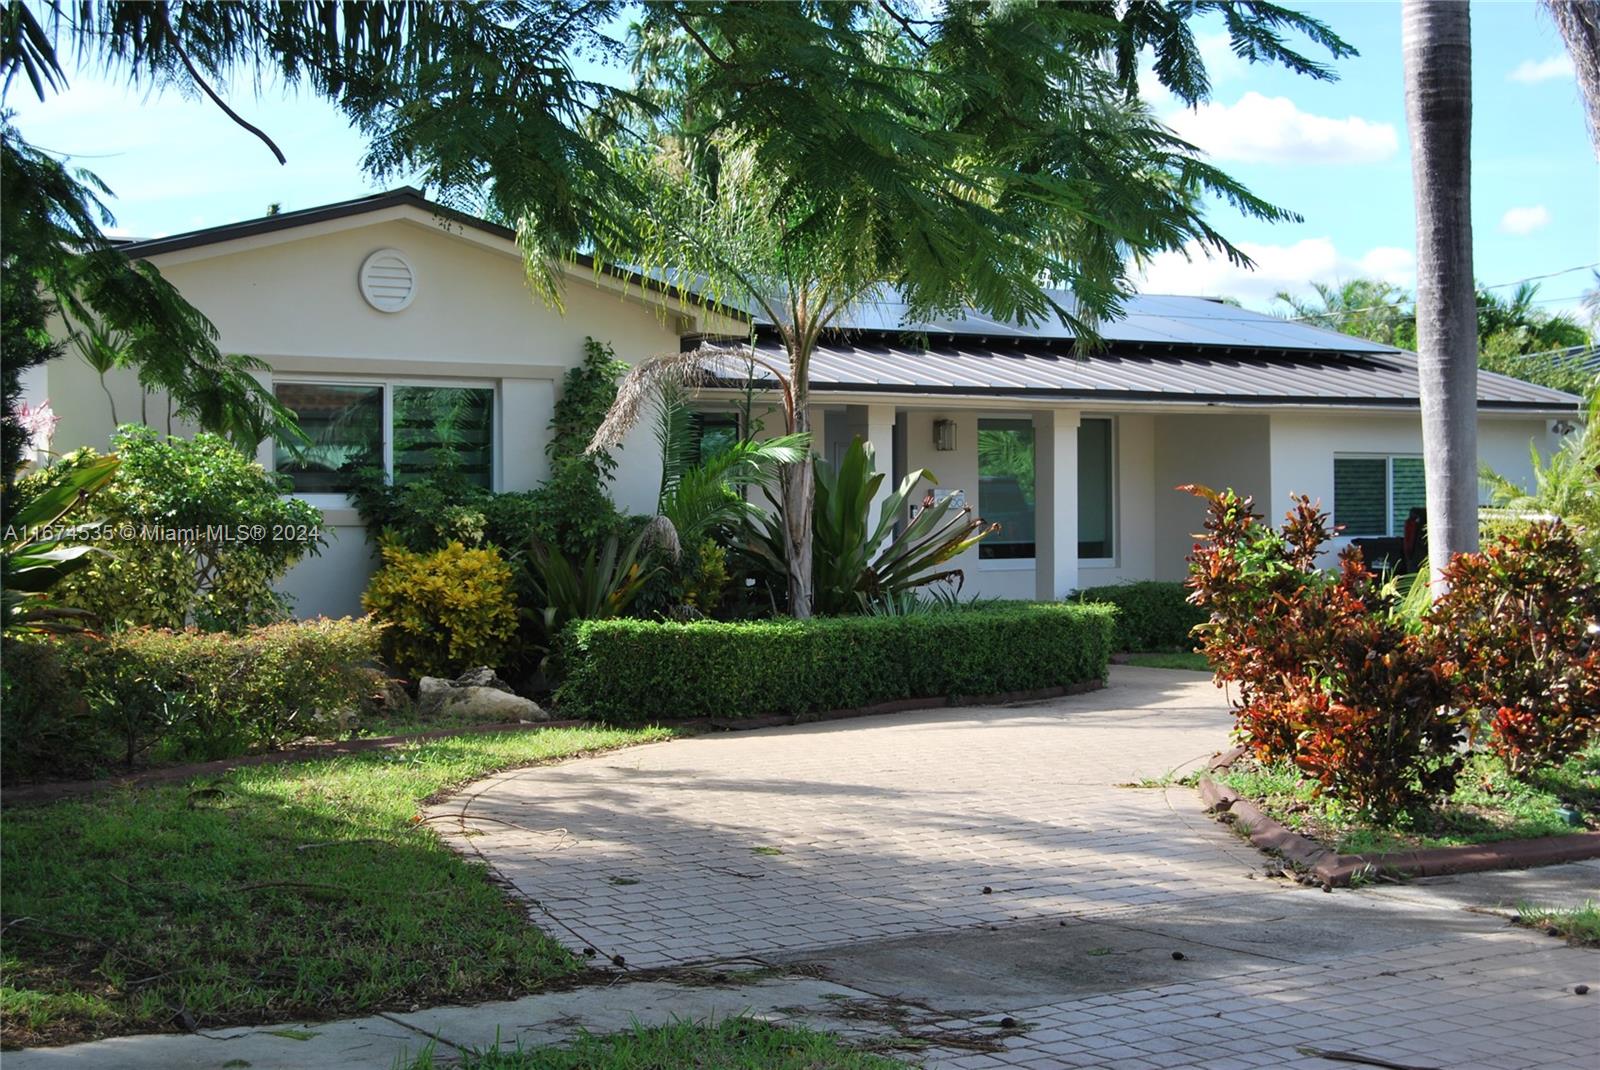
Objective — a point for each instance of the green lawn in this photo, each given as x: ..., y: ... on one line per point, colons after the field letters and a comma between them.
x: 1580, y: 925
x: 1488, y: 805
x: 733, y: 1044
x: 1186, y: 659
x: 268, y: 893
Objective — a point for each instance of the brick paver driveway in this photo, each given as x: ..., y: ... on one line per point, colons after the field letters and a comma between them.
x: 774, y: 840
x: 941, y: 824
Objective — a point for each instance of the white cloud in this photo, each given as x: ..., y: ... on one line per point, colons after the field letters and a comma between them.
x: 1525, y: 220
x: 1261, y: 129
x: 1543, y: 70
x: 1292, y: 268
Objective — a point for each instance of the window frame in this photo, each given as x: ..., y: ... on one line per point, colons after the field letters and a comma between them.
x: 1388, y: 460
x: 333, y: 500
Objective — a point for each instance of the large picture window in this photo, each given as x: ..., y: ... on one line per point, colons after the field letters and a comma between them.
x: 1006, y: 487
x: 407, y: 430
x: 1374, y: 495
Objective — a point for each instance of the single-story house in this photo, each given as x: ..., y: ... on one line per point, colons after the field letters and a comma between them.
x: 360, y: 307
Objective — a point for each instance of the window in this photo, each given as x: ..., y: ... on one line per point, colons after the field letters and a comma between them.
x: 1006, y: 487
x: 408, y: 430
x: 712, y: 433
x: 1095, y: 483
x: 1374, y: 495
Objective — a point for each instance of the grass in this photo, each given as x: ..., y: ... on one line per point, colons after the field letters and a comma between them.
x: 1179, y: 659
x: 1579, y: 925
x: 269, y: 893
x: 1487, y: 805
x: 732, y: 1044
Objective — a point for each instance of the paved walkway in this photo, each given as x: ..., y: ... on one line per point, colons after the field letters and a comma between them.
x: 976, y: 881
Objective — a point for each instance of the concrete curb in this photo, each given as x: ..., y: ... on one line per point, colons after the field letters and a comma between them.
x: 1334, y: 870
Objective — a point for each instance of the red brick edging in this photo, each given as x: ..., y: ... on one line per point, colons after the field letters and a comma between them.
x: 54, y: 790
x: 1331, y: 869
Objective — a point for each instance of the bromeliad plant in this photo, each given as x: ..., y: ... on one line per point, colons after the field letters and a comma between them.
x: 45, y: 541
x: 861, y: 561
x: 1327, y: 677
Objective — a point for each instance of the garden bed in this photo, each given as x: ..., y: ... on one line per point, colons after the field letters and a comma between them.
x: 1490, y: 821
x: 268, y: 893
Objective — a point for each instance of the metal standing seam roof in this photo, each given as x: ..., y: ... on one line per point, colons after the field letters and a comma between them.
x: 1164, y: 348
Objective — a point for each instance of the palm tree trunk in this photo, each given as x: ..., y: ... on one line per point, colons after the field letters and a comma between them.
x: 797, y: 502
x: 1437, y: 44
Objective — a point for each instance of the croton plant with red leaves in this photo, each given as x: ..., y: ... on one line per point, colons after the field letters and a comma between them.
x: 1519, y: 633
x: 1326, y: 677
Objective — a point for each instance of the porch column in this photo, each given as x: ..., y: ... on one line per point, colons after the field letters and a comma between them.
x: 880, y: 435
x: 1055, y: 444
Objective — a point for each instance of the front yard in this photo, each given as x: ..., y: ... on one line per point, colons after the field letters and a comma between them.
x: 267, y: 893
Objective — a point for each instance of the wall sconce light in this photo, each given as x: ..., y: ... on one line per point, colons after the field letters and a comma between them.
x: 1562, y: 427
x: 944, y: 435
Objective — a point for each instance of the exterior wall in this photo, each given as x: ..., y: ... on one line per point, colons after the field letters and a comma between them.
x: 1304, y: 445
x: 292, y: 300
x: 1222, y: 450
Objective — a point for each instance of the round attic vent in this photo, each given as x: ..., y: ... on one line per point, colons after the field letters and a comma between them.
x: 387, y: 280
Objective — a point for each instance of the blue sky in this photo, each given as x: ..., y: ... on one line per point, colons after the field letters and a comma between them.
x: 1334, y: 152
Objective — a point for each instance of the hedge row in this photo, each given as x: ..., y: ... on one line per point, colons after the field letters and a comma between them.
x: 634, y: 670
x: 77, y: 704
x: 1151, y: 614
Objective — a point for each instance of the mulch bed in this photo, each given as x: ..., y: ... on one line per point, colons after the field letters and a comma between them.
x: 56, y: 790
x: 1331, y: 869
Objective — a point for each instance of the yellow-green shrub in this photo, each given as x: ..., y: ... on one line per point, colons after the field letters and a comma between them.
x: 446, y: 611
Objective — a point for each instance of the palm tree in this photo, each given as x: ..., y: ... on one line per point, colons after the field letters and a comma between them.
x: 1579, y: 24
x: 1437, y: 46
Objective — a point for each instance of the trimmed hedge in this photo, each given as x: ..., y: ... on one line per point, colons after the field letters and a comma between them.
x: 76, y: 704
x: 634, y: 670
x: 1152, y: 615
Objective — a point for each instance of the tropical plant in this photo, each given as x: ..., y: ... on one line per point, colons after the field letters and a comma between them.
x: 1366, y: 308
x: 1566, y: 485
x: 861, y: 560
x: 197, y: 531
x: 1328, y: 678
x: 598, y: 586
x: 1519, y: 634
x: 47, y: 538
x: 445, y: 611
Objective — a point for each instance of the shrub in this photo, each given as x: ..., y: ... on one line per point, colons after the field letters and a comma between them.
x: 446, y: 611
x: 74, y: 703
x: 46, y: 726
x: 633, y: 670
x: 1151, y: 615
x: 1517, y: 632
x: 1328, y: 677
x: 197, y: 533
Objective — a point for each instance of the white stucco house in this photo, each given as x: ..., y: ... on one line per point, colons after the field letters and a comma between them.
x: 359, y: 306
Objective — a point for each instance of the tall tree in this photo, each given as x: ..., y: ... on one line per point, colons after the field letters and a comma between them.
x: 976, y: 157
x: 1579, y: 24
x: 1437, y: 45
